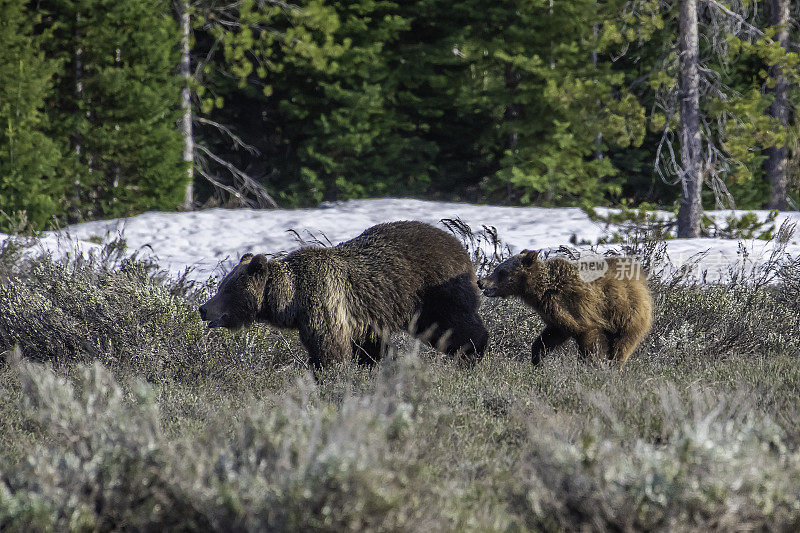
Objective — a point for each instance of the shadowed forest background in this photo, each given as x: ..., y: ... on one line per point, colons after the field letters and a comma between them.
x: 111, y: 108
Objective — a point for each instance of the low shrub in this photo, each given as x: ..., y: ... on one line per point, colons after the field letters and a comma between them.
x: 122, y: 412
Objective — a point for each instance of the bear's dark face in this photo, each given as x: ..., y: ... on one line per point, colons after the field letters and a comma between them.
x: 510, y: 276
x: 239, y: 295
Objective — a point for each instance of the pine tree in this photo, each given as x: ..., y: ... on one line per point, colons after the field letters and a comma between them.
x: 550, y: 100
x: 431, y: 89
x: 338, y: 112
x: 255, y: 59
x: 732, y: 124
x: 30, y: 188
x: 119, y: 103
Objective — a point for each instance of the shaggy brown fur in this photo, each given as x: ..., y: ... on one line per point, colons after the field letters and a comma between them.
x: 616, y: 306
x: 345, y: 300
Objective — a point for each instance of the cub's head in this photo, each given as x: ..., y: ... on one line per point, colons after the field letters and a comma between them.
x: 510, y: 277
x: 239, y: 294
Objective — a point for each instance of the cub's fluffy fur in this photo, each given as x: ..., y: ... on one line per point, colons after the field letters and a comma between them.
x: 616, y: 307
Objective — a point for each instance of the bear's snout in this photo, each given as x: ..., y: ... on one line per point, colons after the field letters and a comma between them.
x: 480, y: 284
x: 210, y: 315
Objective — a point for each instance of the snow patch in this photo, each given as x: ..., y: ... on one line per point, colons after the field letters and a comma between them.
x: 210, y: 241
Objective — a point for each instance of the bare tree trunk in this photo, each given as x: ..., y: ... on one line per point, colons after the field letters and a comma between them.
x: 775, y: 164
x: 186, y: 102
x: 691, y: 207
x: 75, y: 138
x: 78, y: 79
x: 512, y: 114
x: 598, y: 142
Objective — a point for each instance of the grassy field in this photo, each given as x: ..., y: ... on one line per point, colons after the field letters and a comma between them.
x: 120, y: 411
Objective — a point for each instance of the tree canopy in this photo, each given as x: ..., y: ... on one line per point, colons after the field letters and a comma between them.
x: 541, y: 102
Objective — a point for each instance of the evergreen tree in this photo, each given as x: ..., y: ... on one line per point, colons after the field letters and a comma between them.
x: 30, y: 187
x: 119, y: 103
x: 430, y: 86
x: 338, y: 115
x: 377, y: 101
x: 247, y: 137
x: 519, y: 101
x: 550, y: 100
x: 735, y: 56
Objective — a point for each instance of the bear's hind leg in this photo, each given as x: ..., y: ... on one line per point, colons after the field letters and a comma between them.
x: 370, y: 349
x: 448, y: 319
x: 463, y: 335
x: 550, y: 339
x: 467, y: 338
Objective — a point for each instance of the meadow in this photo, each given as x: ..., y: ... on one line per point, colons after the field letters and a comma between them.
x: 122, y: 412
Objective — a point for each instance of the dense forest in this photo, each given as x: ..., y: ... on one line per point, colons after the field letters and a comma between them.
x: 114, y: 107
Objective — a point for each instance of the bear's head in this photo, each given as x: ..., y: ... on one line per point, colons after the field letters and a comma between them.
x: 511, y: 276
x: 239, y: 295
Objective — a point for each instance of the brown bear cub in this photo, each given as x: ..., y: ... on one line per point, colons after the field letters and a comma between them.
x: 616, y: 306
x: 346, y: 299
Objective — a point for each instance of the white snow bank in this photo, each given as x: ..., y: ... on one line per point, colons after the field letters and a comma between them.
x: 210, y: 241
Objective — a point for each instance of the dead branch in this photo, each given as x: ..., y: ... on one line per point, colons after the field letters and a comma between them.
x: 235, y: 138
x: 247, y: 184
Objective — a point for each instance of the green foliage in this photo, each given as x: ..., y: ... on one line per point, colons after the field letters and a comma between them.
x: 521, y: 102
x: 643, y: 221
x: 343, y: 115
x: 30, y: 188
x: 745, y: 226
x: 116, y: 103
x: 566, y: 111
x: 414, y: 100
x: 518, y: 102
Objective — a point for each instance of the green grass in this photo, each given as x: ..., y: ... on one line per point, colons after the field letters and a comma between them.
x: 120, y: 411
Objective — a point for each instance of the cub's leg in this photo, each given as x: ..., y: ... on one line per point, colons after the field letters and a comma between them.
x: 625, y: 341
x: 588, y: 343
x: 622, y: 345
x: 550, y: 339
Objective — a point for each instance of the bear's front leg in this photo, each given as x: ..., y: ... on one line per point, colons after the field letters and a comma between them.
x: 323, y: 345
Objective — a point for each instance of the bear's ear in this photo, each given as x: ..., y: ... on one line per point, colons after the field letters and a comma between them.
x: 257, y: 265
x: 245, y: 258
x: 529, y: 257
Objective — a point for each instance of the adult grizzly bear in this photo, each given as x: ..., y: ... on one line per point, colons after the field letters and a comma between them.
x: 617, y: 305
x: 346, y: 299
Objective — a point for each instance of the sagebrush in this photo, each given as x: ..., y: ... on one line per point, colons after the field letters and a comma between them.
x: 122, y: 412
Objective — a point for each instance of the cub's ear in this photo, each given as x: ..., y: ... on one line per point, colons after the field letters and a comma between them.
x: 258, y: 265
x: 529, y: 257
x: 245, y: 258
